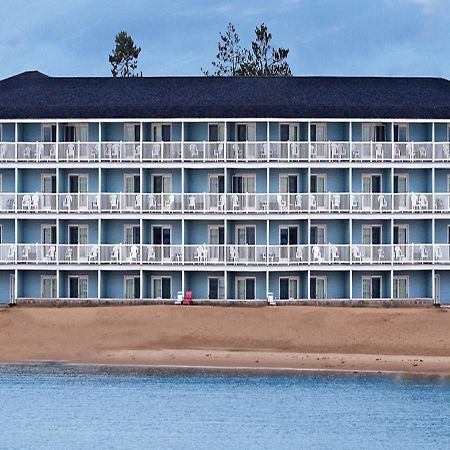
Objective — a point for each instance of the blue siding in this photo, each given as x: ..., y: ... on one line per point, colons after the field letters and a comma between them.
x: 4, y: 285
x: 8, y: 184
x: 8, y: 132
x: 7, y: 231
x: 337, y: 283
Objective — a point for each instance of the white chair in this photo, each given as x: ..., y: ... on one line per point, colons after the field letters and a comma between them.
x: 423, y: 253
x: 355, y: 152
x: 382, y: 202
x: 298, y: 201
x: 379, y: 151
x: 2, y: 151
x: 336, y: 202
x: 26, y: 252
x: 96, y: 202
x: 397, y: 152
x: 409, y: 151
x: 51, y: 253
x: 70, y: 153
x: 422, y: 152
x: 94, y: 152
x: 138, y: 201
x: 151, y: 202
x: 414, y: 201
x: 12, y: 252
x: 168, y: 204
x: 237, y: 151
x: 438, y: 253
x: 68, y: 254
x: 335, y: 152
x: 115, y: 253
x: 334, y: 253
x: 295, y: 153
x: 198, y: 255
x: 312, y: 202
x: 312, y: 152
x: 235, y: 202
x: 26, y: 202
x: 191, y: 202
x: 398, y: 254
x: 316, y: 254
x: 27, y: 152
x: 221, y: 202
x: 218, y: 152
x: 93, y: 254
x: 113, y: 202
x: 270, y: 299
x: 356, y: 254
x: 155, y: 151
x: 179, y: 299
x: 381, y: 254
x: 423, y: 202
x: 150, y: 253
x: 446, y: 151
x: 134, y: 253
x: 35, y: 202
x: 52, y: 151
x: 67, y: 202
x: 233, y: 254
x: 137, y: 152
x: 298, y: 253
x: 281, y: 202
x: 354, y: 202
x: 193, y: 151
x: 39, y: 151
x: 115, y: 152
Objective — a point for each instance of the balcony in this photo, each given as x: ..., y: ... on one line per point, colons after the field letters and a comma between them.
x: 204, y: 151
x: 208, y: 203
x: 230, y: 255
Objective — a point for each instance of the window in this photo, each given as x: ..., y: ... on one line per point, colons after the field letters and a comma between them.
x: 48, y: 234
x: 401, y: 132
x: 216, y: 184
x: 373, y: 132
x: 318, y: 234
x: 215, y: 132
x: 318, y: 183
x: 288, y: 184
x: 132, y: 132
x: 288, y: 288
x: 162, y: 287
x: 48, y: 133
x: 132, y: 234
x: 76, y: 133
x: 1, y: 234
x: 244, y: 184
x: 216, y: 288
x: 401, y: 234
x: 318, y: 132
x: 288, y: 132
x: 162, y: 132
x: 48, y: 286
x: 131, y: 287
x: 371, y: 287
x: 371, y: 183
x: 78, y: 286
x: 162, y: 184
x: 245, y: 288
x: 371, y: 234
x: 78, y: 234
x: 401, y: 286
x: 1, y: 182
x: 1, y: 132
x: 318, y: 288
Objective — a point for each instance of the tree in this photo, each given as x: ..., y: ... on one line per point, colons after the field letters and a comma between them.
x: 124, y: 57
x: 229, y: 56
x: 263, y: 60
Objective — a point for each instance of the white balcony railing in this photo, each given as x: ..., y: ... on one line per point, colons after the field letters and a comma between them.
x: 210, y: 203
x: 231, y: 254
x: 204, y: 151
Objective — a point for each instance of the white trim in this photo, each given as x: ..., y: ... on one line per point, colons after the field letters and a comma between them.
x: 132, y: 226
x: 160, y: 277
x: 154, y: 225
x: 244, y: 278
x: 133, y: 278
x: 219, y: 277
x: 289, y: 225
x: 325, y: 285
x: 371, y: 277
x: 161, y: 174
x: 79, y: 226
x: 53, y: 279
x: 372, y: 225
x: 236, y: 232
x: 397, y: 278
x: 79, y: 278
x: 318, y: 226
x: 289, y: 278
x: 287, y: 175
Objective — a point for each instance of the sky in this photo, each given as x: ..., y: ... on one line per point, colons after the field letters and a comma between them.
x: 178, y: 37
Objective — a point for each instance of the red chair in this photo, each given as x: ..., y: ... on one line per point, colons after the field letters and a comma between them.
x: 187, y: 298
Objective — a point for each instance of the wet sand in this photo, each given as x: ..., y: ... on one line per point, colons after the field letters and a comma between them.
x: 409, y: 340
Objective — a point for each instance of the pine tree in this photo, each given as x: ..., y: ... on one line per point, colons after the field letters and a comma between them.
x: 124, y: 57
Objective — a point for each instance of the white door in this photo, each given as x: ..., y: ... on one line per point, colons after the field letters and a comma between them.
x: 12, y: 288
x: 437, y: 289
x: 49, y: 189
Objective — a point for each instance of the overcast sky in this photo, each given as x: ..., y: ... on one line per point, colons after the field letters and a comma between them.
x: 325, y: 37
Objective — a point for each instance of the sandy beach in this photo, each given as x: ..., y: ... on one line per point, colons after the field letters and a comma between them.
x: 409, y: 340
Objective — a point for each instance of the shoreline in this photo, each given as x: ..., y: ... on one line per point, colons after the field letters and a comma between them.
x: 297, y: 340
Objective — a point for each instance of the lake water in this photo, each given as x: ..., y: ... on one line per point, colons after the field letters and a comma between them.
x: 81, y: 407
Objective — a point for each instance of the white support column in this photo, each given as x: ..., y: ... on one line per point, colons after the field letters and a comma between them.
x: 225, y: 220
x: 433, y: 143
x: 182, y: 142
x: 141, y: 143
x: 267, y: 257
x: 308, y: 280
x: 350, y: 139
x: 392, y: 284
x: 309, y: 148
x: 99, y: 275
x: 100, y: 137
x: 99, y: 283
x: 268, y: 143
x: 183, y: 281
x: 16, y: 140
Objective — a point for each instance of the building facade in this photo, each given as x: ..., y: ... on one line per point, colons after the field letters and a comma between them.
x: 324, y: 188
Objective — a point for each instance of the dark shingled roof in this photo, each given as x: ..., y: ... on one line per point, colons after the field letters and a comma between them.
x: 33, y: 95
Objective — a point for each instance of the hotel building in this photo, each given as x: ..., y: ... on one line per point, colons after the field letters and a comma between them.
x: 302, y: 188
